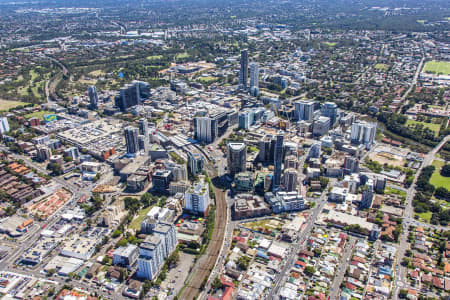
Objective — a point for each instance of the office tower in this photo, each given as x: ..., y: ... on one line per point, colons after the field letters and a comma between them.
x: 244, y: 120
x: 179, y: 172
x: 195, y: 163
x: 4, y: 125
x: 197, y: 198
x: 321, y: 126
x: 367, y: 194
x: 205, y: 130
x: 131, y: 139
x: 291, y: 161
x: 132, y: 94
x: 93, y: 97
x: 168, y: 233
x: 243, y: 74
x: 304, y: 110
x: 329, y: 109
x: 143, y: 130
x: 237, y: 157
x: 290, y: 180
x: 254, y: 79
x: 363, y: 133
x: 314, y: 151
x: 278, y: 161
x: 266, y: 148
x: 161, y: 180
x: 351, y: 165
x: 72, y: 152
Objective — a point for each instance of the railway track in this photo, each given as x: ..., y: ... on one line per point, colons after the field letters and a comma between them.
x: 208, y: 260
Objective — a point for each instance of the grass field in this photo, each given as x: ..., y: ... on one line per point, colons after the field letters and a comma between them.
x: 7, y: 105
x: 330, y: 44
x: 154, y: 57
x: 38, y: 114
x: 208, y: 79
x: 432, y: 126
x: 436, y: 179
x: 97, y: 73
x: 136, y: 223
x: 437, y: 67
x: 425, y: 216
x: 182, y: 55
x: 381, y: 67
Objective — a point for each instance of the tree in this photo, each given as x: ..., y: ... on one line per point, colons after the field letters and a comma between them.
x: 51, y: 272
x: 309, y: 270
x: 217, y: 284
x: 445, y: 171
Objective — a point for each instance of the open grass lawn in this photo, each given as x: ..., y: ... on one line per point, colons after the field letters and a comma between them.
x: 431, y: 126
x: 38, y: 114
x: 436, y: 179
x: 7, y: 105
x: 136, y: 223
x: 392, y: 191
x: 437, y: 67
x: 381, y: 67
x: 425, y: 216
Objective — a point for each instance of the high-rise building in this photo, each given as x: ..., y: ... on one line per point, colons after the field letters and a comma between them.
x: 197, y: 198
x: 204, y: 129
x: 254, y: 79
x: 179, y: 172
x: 151, y: 257
x: 314, y: 151
x: 367, y: 194
x: 244, y: 120
x: 329, y: 109
x: 132, y: 94
x: 321, y: 126
x: 237, y: 157
x: 168, y: 233
x: 131, y: 139
x: 278, y: 161
x: 364, y: 133
x: 43, y: 153
x: 161, y: 180
x: 243, y: 73
x: 304, y: 110
x: 93, y: 96
x: 351, y: 165
x: 291, y: 161
x: 266, y: 148
x: 4, y: 125
x: 126, y: 256
x: 72, y: 152
x: 195, y: 163
x: 143, y: 130
x: 290, y: 180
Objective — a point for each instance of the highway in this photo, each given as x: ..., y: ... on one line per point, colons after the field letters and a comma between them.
x: 400, y: 276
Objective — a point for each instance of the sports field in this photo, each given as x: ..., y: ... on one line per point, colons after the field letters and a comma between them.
x: 437, y: 67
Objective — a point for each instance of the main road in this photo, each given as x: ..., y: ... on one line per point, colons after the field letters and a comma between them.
x: 400, y: 276
x: 298, y: 244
